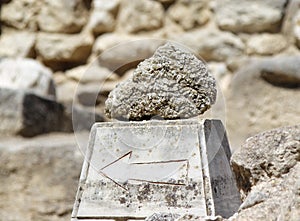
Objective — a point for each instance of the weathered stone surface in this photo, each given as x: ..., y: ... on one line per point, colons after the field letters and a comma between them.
x: 212, y: 44
x: 263, y: 95
x: 249, y: 16
x: 140, y: 15
x: 21, y: 14
x: 162, y: 217
x: 103, y: 16
x: 63, y: 16
x: 123, y: 52
x: 189, y: 13
x: 55, y: 49
x: 28, y: 114
x: 39, y: 176
x: 27, y: 74
x: 297, y: 28
x: 171, y: 84
x: 136, y: 168
x: 92, y: 73
x: 267, y: 168
x: 289, y: 20
x: 17, y: 44
x: 266, y: 44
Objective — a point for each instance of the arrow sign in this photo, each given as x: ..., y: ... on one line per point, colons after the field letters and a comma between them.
x: 121, y: 171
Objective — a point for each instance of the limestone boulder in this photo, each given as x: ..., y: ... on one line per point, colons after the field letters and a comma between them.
x: 123, y: 52
x: 103, y: 16
x: 39, y: 176
x: 171, y: 84
x: 28, y: 114
x: 140, y: 15
x: 26, y: 74
x: 263, y: 95
x: 249, y: 16
x: 62, y: 16
x: 59, y: 50
x: 21, y: 14
x: 266, y: 44
x: 189, y: 14
x: 267, y: 169
x: 17, y: 44
x: 212, y: 45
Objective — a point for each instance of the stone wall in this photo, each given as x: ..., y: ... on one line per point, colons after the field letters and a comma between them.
x: 231, y: 35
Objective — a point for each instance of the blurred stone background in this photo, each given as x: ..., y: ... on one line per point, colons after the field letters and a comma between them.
x: 252, y: 47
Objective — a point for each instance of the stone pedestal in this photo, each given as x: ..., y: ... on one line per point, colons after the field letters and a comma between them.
x: 133, y: 169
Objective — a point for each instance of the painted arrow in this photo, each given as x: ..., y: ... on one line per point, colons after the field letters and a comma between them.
x: 121, y: 171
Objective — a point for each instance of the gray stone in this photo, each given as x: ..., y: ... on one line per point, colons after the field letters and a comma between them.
x: 171, y: 84
x: 28, y: 114
x: 162, y: 217
x: 39, y: 176
x: 267, y: 169
x: 26, y: 74
x: 135, y: 168
x: 263, y: 95
x: 249, y: 16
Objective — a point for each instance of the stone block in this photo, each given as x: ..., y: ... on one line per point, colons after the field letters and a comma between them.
x: 133, y: 169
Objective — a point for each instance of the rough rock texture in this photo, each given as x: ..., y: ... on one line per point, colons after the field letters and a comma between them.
x: 39, y: 177
x: 17, y: 44
x: 249, y: 16
x: 20, y: 14
x: 267, y: 168
x: 27, y: 74
x: 55, y: 49
x: 212, y: 44
x: 27, y: 114
x: 171, y: 84
x: 189, y: 13
x: 263, y: 95
x: 63, y: 16
x: 140, y: 15
x: 162, y: 217
x: 266, y: 44
x: 103, y: 16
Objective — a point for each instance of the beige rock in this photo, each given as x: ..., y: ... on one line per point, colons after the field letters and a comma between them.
x: 288, y: 24
x: 189, y: 13
x: 64, y: 16
x: 26, y: 74
x: 21, y: 14
x: 129, y: 50
x: 249, y: 15
x: 17, y: 44
x: 140, y: 15
x: 297, y: 28
x: 43, y: 171
x: 267, y: 168
x: 92, y: 73
x: 266, y: 44
x: 103, y: 16
x: 61, y: 48
x: 212, y: 45
x: 263, y: 95
x: 221, y: 73
x: 66, y: 91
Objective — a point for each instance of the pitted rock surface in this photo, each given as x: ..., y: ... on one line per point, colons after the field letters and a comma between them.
x: 172, y: 84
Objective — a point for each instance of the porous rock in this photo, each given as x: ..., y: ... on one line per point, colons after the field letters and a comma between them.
x: 171, y: 84
x: 162, y: 217
x: 267, y: 169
